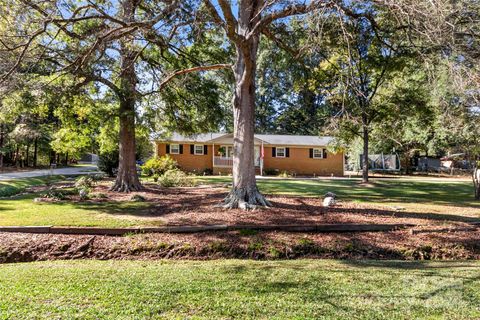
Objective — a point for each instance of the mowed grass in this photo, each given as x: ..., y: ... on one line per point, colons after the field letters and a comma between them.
x: 24, y: 211
x: 226, y: 289
x: 414, y: 195
x: 454, y: 192
x: 432, y: 196
x: 12, y: 187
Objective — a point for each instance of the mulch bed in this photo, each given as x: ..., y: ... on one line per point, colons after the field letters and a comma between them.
x: 20, y: 247
x: 198, y: 206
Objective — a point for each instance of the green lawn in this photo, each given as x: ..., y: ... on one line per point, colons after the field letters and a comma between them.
x: 452, y: 197
x: 23, y: 211
x: 455, y: 192
x: 15, y: 186
x: 225, y: 289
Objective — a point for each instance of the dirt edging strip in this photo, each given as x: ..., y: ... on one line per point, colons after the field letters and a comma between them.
x: 206, y: 228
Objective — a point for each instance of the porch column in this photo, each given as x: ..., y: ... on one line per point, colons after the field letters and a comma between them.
x: 262, y: 155
x: 213, y: 156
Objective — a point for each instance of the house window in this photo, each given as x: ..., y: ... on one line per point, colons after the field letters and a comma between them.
x: 199, y: 149
x: 175, y: 149
x: 318, y: 153
x: 280, y: 152
x: 226, y: 151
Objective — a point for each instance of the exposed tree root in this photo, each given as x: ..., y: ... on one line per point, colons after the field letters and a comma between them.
x: 124, y: 186
x: 245, y: 198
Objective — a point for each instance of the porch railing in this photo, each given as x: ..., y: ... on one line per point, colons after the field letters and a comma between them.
x: 222, y: 162
x: 228, y: 162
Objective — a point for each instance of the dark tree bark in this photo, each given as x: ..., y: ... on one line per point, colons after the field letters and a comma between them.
x: 35, y: 152
x: 127, y: 177
x: 27, y: 156
x: 245, y: 193
x: 17, y: 156
x: 1, y: 145
x: 243, y: 31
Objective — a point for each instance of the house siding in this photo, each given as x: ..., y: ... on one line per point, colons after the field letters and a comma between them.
x: 298, y: 162
x: 187, y: 161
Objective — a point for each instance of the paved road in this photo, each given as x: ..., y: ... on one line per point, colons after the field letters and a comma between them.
x: 45, y: 172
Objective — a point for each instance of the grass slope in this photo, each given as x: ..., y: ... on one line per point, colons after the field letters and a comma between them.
x: 12, y: 187
x: 302, y: 289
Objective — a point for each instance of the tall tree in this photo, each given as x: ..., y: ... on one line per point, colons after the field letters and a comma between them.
x: 243, y: 31
x: 362, y: 52
x: 123, y: 46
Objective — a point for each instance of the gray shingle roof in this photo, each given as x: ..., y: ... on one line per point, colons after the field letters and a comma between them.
x: 203, y: 137
x: 283, y: 139
x: 275, y: 139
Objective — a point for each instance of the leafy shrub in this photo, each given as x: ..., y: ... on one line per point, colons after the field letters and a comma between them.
x: 284, y: 174
x: 155, y: 177
x: 158, y: 166
x: 55, y: 194
x: 85, y: 182
x: 270, y: 172
x: 108, y: 162
x: 207, y: 171
x: 176, y: 178
x: 84, y: 185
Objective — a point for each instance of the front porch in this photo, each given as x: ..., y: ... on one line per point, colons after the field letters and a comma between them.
x: 227, y: 162
x: 222, y: 157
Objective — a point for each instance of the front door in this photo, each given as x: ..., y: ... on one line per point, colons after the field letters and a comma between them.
x: 257, y: 156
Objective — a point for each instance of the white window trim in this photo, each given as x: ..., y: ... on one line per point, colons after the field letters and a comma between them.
x: 284, y: 152
x: 195, y: 150
x: 226, y: 147
x: 321, y: 153
x: 171, y: 148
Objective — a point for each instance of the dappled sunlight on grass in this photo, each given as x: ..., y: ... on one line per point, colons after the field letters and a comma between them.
x: 459, y: 193
x: 241, y: 289
x: 23, y: 211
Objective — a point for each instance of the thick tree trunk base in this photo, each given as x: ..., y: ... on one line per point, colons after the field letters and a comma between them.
x: 476, y: 182
x: 245, y: 199
x: 122, y: 185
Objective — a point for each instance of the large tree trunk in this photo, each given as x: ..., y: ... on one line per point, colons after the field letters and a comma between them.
x: 127, y: 178
x: 27, y: 155
x: 476, y: 181
x: 17, y: 156
x: 244, y: 193
x: 365, y: 155
x: 1, y: 145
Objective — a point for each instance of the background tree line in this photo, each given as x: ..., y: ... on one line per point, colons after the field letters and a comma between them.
x: 108, y: 76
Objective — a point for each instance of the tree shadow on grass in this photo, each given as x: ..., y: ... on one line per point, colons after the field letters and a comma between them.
x: 444, y: 193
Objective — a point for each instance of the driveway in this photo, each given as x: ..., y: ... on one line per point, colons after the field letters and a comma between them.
x: 70, y: 171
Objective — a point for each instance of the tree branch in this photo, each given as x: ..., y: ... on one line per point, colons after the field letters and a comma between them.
x: 190, y: 70
x: 291, y: 10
